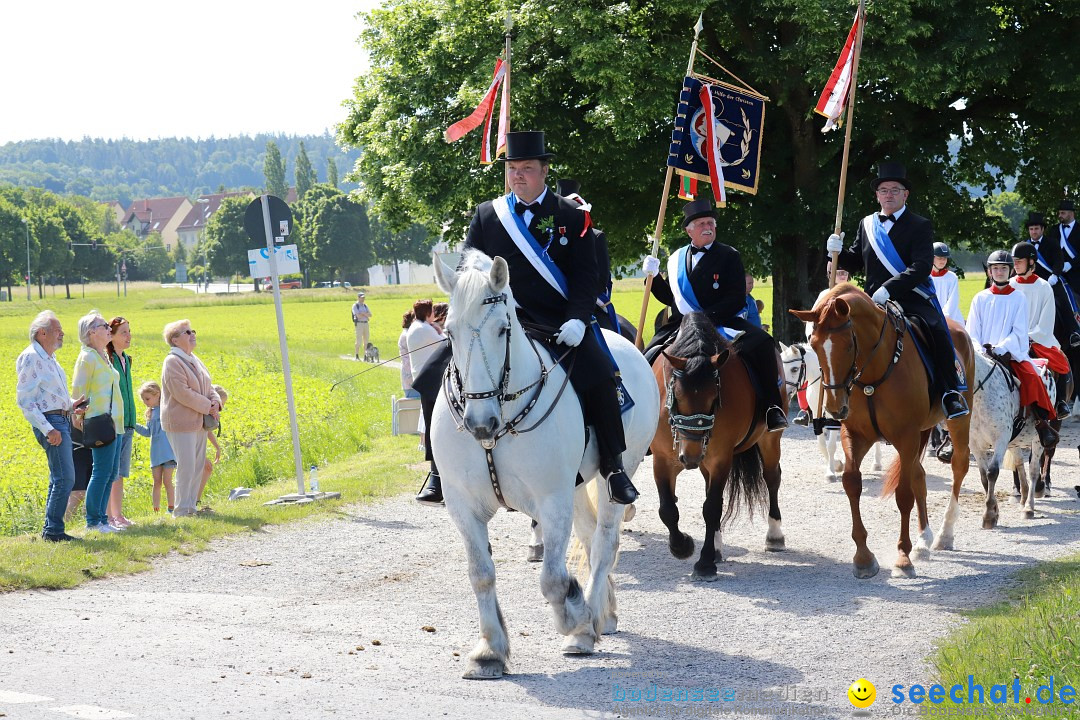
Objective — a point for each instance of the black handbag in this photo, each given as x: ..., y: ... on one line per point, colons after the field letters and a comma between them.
x: 100, y: 430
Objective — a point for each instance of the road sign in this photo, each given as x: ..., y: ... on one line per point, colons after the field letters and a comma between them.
x: 280, y: 218
x: 288, y: 261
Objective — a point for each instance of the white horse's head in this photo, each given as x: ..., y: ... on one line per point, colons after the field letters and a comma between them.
x: 481, y: 325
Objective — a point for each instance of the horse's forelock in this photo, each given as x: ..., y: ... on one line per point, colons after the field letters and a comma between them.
x: 474, y: 282
x: 696, y: 336
x: 699, y: 372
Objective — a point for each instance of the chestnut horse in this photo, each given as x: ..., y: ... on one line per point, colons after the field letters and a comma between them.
x: 709, y: 419
x: 861, y: 345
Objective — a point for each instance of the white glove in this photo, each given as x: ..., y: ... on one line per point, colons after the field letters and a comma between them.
x: 651, y: 266
x: 1052, y: 280
x: 881, y: 295
x: 1067, y: 267
x: 571, y: 333
x: 835, y: 243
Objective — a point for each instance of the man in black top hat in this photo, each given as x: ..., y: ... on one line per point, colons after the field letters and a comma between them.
x: 553, y: 277
x: 895, y: 248
x: 708, y: 276
x: 1050, y: 266
x: 604, y: 312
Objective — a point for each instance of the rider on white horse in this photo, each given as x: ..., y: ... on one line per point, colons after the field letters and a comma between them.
x: 1041, y: 315
x: 997, y: 322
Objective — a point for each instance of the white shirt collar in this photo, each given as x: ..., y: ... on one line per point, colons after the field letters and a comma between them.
x: 41, y: 351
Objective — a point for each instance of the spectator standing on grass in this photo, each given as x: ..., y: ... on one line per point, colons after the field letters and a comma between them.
x: 208, y: 466
x: 187, y: 397
x: 120, y: 332
x: 42, y: 395
x: 406, y: 359
x: 98, y: 381
x: 361, y: 314
x: 162, y: 459
x: 427, y: 348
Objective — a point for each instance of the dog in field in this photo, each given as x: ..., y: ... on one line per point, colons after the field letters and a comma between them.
x: 371, y: 354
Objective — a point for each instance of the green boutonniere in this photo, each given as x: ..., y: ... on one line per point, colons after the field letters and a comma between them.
x: 547, y: 225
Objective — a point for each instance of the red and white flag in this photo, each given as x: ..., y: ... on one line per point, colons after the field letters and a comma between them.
x: 834, y: 97
x: 482, y: 115
x: 712, y: 147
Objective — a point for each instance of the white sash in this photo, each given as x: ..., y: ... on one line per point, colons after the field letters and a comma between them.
x: 875, y: 242
x: 676, y: 265
x: 511, y: 227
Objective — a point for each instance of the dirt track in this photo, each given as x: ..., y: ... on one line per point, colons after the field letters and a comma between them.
x: 269, y: 625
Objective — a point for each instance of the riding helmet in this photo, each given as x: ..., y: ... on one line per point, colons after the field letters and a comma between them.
x: 941, y: 249
x: 999, y: 257
x: 1024, y: 251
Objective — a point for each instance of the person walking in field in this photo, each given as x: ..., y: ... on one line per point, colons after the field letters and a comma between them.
x: 42, y: 395
x: 361, y: 315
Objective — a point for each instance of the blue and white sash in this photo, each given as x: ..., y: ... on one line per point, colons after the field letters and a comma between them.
x: 1065, y: 244
x: 886, y: 252
x: 515, y: 227
x: 685, y: 299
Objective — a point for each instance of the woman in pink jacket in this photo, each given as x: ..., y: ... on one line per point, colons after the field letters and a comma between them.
x: 187, y: 397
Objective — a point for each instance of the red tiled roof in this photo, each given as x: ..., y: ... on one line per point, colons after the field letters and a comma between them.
x: 198, y: 216
x: 156, y: 211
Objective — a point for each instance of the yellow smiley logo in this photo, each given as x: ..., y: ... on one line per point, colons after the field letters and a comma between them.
x: 862, y: 693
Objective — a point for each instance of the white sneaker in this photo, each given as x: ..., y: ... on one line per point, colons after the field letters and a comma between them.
x: 105, y: 528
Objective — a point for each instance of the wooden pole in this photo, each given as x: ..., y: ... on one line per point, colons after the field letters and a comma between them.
x: 834, y: 256
x: 659, y: 231
x: 509, y: 25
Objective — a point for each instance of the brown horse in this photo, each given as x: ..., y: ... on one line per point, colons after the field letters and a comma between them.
x: 710, y: 420
x: 861, y: 345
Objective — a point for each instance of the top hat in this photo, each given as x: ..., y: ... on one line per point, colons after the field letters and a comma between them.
x: 1066, y: 204
x: 1035, y: 218
x: 891, y: 171
x: 567, y: 187
x: 698, y: 208
x: 527, y: 145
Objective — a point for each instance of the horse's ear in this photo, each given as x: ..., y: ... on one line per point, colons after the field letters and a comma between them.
x: 676, y: 362
x: 720, y: 358
x: 445, y: 276
x: 804, y: 315
x: 499, y: 275
x: 841, y: 306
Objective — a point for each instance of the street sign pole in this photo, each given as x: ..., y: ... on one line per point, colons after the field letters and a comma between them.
x: 284, y: 347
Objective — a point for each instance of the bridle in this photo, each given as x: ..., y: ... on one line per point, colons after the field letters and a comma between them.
x: 854, y: 372
x: 694, y: 428
x: 456, y: 395
x: 798, y: 382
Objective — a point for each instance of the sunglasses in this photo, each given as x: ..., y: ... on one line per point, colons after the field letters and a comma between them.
x: 188, y: 332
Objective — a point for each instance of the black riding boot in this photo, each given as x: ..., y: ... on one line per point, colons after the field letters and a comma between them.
x: 953, y: 404
x: 1048, y: 437
x: 802, y: 418
x: 431, y: 493
x: 603, y: 413
x: 1061, y: 404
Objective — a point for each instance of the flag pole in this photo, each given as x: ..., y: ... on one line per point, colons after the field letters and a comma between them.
x: 834, y: 256
x: 847, y: 141
x: 508, y: 24
x: 663, y: 205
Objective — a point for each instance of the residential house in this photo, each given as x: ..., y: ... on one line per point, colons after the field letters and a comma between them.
x: 116, y: 209
x: 192, y: 228
x: 157, y: 215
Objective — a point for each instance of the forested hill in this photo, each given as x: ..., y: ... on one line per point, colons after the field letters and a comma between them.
x: 127, y: 169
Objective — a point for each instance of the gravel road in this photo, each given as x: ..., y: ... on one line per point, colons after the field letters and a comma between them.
x: 370, y: 615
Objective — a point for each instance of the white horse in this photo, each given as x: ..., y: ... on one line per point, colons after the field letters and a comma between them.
x: 801, y: 366
x: 504, y: 375
x: 994, y: 406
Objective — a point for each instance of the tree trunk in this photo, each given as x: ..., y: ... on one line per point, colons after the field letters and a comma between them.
x: 397, y: 273
x: 41, y: 287
x: 67, y: 288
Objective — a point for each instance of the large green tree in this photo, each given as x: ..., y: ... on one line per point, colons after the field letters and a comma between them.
x: 603, y: 79
x: 274, y: 171
x: 305, y: 173
x: 226, y: 241
x: 340, y: 236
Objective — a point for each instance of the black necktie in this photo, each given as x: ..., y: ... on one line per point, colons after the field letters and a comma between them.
x: 694, y: 249
x: 883, y: 218
x: 520, y: 207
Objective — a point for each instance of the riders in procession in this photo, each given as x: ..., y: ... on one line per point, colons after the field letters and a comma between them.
x: 998, y: 323
x: 1040, y: 305
x: 553, y: 276
x: 708, y: 276
x: 895, y: 250
x: 946, y: 284
x: 1049, y: 266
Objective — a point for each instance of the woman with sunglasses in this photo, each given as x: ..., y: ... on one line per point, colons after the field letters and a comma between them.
x: 187, y: 397
x: 120, y: 332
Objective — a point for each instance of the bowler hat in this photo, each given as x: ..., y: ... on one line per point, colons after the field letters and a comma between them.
x: 1035, y: 218
x: 891, y: 172
x: 1067, y: 204
x: 698, y: 208
x: 567, y: 187
x: 528, y: 145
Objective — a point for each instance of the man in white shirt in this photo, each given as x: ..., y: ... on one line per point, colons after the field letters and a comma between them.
x: 361, y: 314
x: 997, y: 324
x: 42, y: 395
x: 1041, y: 314
x: 946, y: 284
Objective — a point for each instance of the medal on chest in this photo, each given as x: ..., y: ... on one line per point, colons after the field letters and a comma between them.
x: 716, y: 281
x: 562, y: 235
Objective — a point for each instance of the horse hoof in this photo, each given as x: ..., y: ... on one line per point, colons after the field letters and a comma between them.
x: 921, y: 553
x: 484, y: 670
x: 704, y: 575
x: 629, y: 512
x: 865, y: 573
x: 682, y: 548
x: 1029, y: 514
x: 943, y: 543
x: 578, y: 645
x: 536, y: 553
x: 611, y: 626
x: 903, y: 571
x: 989, y: 523
x: 775, y: 545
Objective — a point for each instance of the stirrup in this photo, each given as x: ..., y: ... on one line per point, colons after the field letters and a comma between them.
x: 964, y: 409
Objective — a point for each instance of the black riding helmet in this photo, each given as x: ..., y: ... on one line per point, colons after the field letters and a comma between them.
x: 999, y: 257
x: 941, y: 250
x: 1025, y: 251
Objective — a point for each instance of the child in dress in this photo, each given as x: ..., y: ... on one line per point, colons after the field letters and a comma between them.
x: 162, y: 460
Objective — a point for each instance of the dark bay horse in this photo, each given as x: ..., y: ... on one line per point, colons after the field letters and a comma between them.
x: 876, y: 385
x: 709, y: 420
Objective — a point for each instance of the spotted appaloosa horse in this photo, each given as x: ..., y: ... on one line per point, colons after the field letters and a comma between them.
x: 709, y: 420
x: 860, y: 346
